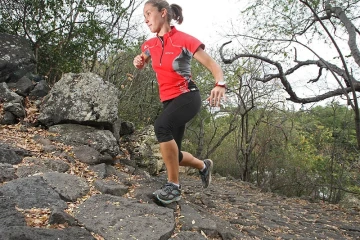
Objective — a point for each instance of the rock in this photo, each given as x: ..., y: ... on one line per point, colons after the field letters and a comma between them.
x: 8, y: 214
x: 145, y: 150
x: 109, y: 215
x: 186, y: 235
x: 17, y: 109
x: 22, y: 87
x: 82, y: 98
x: 34, y: 166
x: 16, y: 57
x: 40, y: 90
x: 111, y: 187
x: 29, y: 233
x: 6, y: 95
x: 194, y: 221
x: 103, y: 170
x: 8, y: 118
x: 12, y: 155
x: 69, y: 187
x: 7, y: 172
x: 127, y: 128
x: 77, y: 135
x: 87, y: 154
x: 60, y: 217
x: 32, y: 192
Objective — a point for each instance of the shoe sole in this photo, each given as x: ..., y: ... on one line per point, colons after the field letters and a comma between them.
x: 169, y: 201
x: 210, y: 170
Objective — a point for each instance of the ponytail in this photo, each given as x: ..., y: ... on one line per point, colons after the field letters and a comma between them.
x: 177, y: 15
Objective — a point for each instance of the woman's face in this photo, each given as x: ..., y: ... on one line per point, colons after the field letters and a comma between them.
x: 153, y: 18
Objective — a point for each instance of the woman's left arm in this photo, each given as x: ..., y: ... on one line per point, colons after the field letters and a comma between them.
x: 217, y: 92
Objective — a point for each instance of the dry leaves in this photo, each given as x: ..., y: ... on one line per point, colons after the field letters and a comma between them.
x: 36, y: 217
x: 23, y: 137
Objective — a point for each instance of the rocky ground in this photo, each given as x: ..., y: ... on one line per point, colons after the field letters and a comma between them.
x: 259, y: 215
x: 228, y: 209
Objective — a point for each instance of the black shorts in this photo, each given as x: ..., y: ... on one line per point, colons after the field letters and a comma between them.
x: 176, y: 113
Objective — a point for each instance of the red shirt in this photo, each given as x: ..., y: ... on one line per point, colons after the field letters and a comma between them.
x: 171, y: 60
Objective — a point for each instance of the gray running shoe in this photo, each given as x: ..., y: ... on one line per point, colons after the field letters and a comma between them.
x: 206, y: 174
x: 168, y: 194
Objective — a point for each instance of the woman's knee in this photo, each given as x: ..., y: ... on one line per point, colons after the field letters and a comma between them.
x: 180, y: 156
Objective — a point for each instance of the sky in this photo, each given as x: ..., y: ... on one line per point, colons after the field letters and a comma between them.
x: 206, y: 20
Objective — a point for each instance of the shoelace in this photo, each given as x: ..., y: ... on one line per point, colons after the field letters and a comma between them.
x: 168, y: 187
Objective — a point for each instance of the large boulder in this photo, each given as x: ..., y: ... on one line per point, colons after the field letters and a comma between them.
x: 83, y: 98
x: 16, y: 57
x: 88, y: 141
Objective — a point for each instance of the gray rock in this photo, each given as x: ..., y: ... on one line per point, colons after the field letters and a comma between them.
x: 8, y: 155
x: 69, y: 187
x: 193, y: 220
x: 35, y: 166
x: 87, y: 154
x: 29, y: 233
x: 189, y: 235
x: 127, y: 128
x: 17, y: 109
x: 9, y: 216
x: 145, y: 150
x: 60, y: 217
x: 18, y: 151
x: 6, y: 95
x: 7, y: 172
x: 83, y: 98
x: 7, y: 118
x: 111, y: 187
x: 77, y: 135
x: 16, y: 57
x: 40, y: 90
x: 103, y: 170
x: 32, y: 192
x: 121, y: 218
x: 23, y: 86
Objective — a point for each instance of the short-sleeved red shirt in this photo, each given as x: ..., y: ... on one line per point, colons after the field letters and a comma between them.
x: 171, y: 60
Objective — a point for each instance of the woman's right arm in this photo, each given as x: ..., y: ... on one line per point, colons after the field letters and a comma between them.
x: 141, y: 60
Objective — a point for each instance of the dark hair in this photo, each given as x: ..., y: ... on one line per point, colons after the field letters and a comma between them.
x: 174, y: 10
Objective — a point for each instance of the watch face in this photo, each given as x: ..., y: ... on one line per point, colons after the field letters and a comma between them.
x: 221, y: 83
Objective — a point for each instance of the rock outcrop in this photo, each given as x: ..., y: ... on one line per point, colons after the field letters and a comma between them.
x: 83, y: 98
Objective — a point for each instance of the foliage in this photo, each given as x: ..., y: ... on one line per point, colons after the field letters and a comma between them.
x: 290, y: 40
x: 69, y: 35
x: 298, y: 153
x: 139, y: 98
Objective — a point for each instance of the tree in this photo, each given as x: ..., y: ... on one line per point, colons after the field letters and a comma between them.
x: 139, y: 98
x: 69, y: 35
x: 300, y: 24
x: 204, y: 130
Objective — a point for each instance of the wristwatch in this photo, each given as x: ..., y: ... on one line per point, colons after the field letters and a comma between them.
x: 220, y: 84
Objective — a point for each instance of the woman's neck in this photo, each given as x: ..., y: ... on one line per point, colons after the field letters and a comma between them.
x: 165, y: 29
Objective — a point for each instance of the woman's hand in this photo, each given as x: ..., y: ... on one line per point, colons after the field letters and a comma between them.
x: 215, y: 96
x: 139, y: 61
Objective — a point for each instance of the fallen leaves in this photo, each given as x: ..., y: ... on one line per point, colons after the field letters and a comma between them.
x: 36, y: 217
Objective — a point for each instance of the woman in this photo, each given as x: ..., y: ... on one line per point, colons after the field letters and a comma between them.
x: 171, y: 52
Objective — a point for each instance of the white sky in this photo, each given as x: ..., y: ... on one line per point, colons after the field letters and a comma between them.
x: 205, y: 19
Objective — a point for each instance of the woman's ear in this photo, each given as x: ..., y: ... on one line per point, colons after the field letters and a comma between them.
x: 163, y: 12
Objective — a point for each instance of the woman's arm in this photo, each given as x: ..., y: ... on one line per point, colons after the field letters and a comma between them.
x: 217, y: 92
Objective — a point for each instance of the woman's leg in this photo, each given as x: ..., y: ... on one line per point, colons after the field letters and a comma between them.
x: 170, y: 154
x: 170, y: 127
x: 189, y: 160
